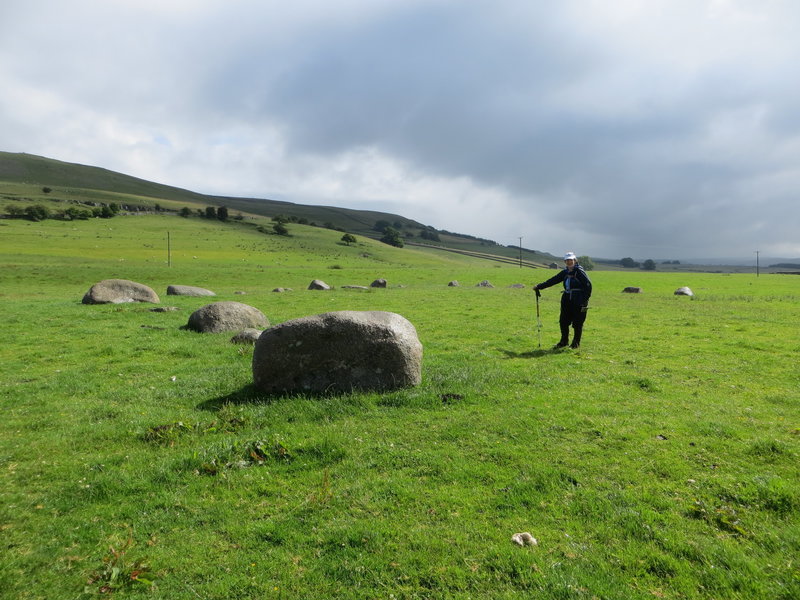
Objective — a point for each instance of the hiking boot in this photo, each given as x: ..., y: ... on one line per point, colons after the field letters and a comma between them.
x: 559, y: 345
x: 575, y: 345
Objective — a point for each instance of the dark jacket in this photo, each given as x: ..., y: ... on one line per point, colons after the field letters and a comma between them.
x: 576, y: 283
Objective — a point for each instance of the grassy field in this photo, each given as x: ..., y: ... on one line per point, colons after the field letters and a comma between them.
x: 136, y: 460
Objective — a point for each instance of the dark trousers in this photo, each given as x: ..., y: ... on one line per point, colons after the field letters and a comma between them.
x: 571, y: 314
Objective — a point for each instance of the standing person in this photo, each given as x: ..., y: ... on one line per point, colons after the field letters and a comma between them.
x: 574, y: 299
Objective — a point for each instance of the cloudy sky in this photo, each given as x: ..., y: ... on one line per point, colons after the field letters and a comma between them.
x: 644, y: 128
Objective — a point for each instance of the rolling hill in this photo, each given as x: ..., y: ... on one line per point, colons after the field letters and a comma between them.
x: 30, y: 178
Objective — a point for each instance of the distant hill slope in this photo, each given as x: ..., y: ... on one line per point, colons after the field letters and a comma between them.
x: 23, y: 176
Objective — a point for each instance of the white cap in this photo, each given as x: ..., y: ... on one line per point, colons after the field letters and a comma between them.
x: 570, y: 256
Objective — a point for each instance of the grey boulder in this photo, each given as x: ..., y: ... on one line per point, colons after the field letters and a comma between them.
x: 684, y: 291
x: 226, y: 316
x: 338, y: 352
x: 378, y: 283
x: 188, y: 290
x: 485, y: 283
x: 318, y: 284
x: 632, y: 290
x: 246, y: 336
x: 118, y: 291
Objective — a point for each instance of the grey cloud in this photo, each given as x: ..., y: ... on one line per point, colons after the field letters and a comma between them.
x: 591, y: 129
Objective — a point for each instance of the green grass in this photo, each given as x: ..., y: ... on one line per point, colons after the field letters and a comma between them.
x: 660, y: 460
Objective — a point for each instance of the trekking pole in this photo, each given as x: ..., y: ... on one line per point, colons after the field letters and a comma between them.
x: 538, y: 318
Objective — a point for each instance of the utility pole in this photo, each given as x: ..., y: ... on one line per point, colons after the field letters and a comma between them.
x: 757, y: 265
x: 520, y: 252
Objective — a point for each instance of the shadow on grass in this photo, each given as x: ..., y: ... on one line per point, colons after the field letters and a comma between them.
x: 249, y: 394
x: 538, y: 353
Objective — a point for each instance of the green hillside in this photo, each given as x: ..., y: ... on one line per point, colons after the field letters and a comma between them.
x: 23, y: 177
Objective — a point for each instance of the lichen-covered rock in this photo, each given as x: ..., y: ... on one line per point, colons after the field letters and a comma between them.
x: 226, y: 316
x: 188, y: 290
x: 118, y: 291
x: 338, y: 352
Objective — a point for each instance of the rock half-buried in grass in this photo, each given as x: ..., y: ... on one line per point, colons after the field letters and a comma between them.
x: 338, y: 352
x: 118, y: 291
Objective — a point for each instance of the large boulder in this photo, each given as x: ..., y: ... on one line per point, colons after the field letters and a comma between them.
x: 684, y: 291
x: 226, y: 316
x: 485, y: 283
x: 338, y: 351
x: 188, y: 290
x: 378, y: 283
x: 118, y: 291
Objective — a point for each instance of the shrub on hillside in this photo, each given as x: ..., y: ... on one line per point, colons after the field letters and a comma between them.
x: 37, y: 212
x: 15, y: 211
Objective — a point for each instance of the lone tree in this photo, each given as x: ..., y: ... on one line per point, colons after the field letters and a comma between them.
x: 185, y: 212
x: 222, y: 213
x: 649, y: 265
x: 392, y: 237
x: 280, y: 229
x: 211, y: 212
x: 349, y: 238
x: 586, y: 262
